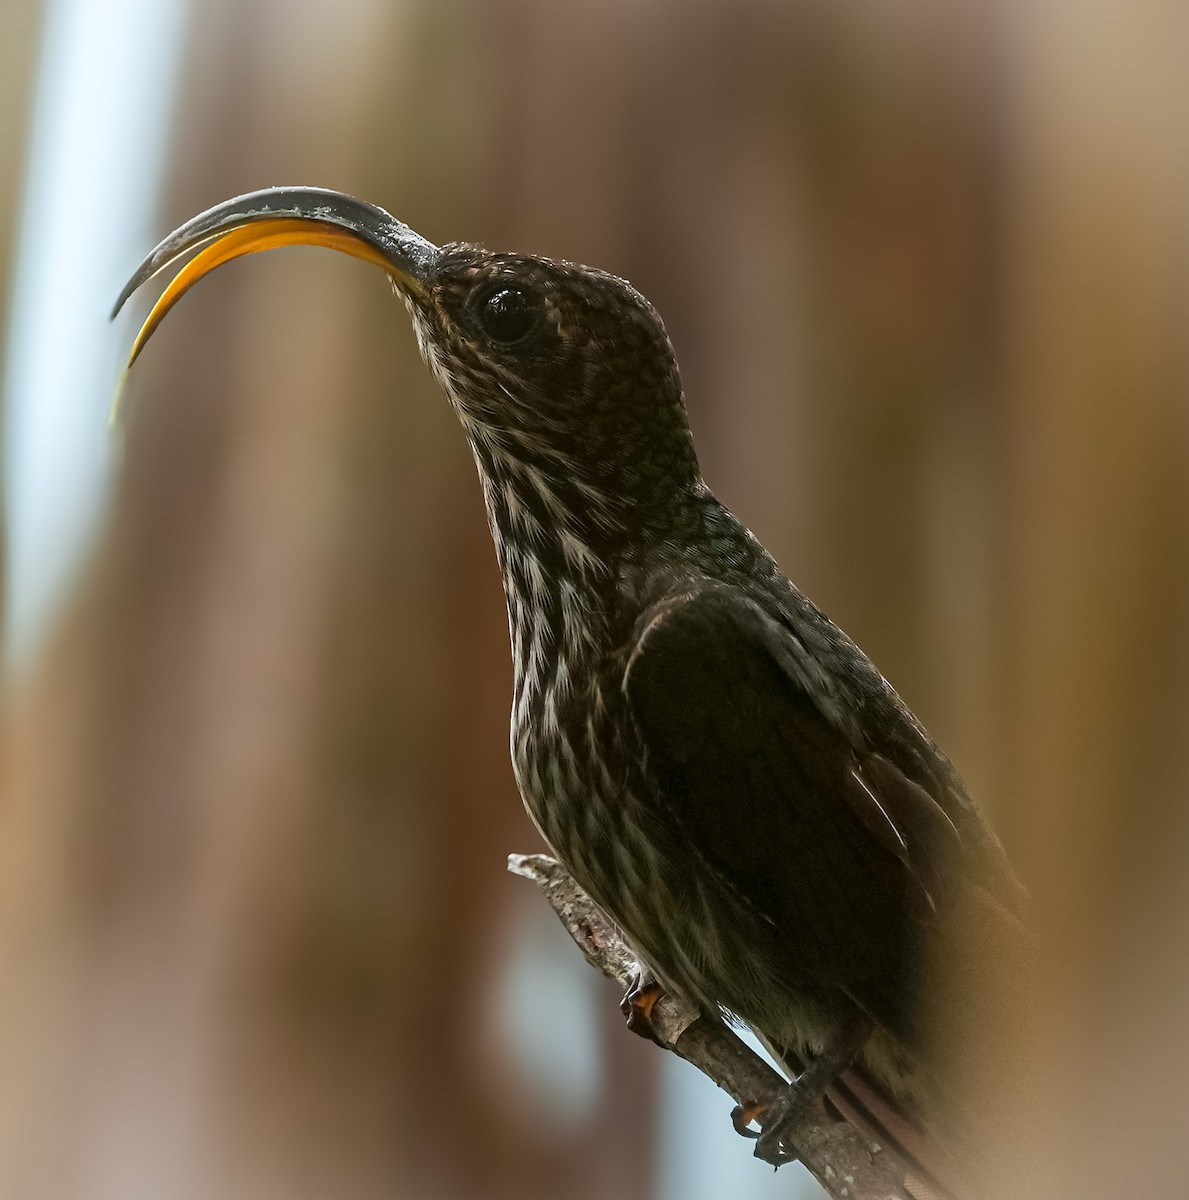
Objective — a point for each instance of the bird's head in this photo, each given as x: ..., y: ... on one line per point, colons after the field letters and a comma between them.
x: 563, y: 376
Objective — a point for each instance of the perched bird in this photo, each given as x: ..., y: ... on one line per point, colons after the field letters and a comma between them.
x: 716, y: 763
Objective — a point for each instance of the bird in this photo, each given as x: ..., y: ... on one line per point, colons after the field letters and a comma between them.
x: 714, y: 761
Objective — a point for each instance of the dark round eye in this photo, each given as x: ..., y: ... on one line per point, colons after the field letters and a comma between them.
x: 507, y: 314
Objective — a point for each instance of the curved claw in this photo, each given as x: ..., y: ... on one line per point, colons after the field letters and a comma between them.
x: 742, y: 1117
x: 638, y: 1004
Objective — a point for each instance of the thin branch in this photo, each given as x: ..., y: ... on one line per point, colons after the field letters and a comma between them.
x: 849, y: 1165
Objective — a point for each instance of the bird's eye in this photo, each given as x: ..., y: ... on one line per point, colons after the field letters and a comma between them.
x: 507, y: 315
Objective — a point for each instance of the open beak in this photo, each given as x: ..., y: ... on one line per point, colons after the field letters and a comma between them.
x: 288, y: 216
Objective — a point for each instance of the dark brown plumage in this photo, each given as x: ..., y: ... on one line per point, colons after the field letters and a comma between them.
x: 717, y: 764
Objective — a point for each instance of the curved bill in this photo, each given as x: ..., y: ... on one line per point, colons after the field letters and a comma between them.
x: 287, y: 216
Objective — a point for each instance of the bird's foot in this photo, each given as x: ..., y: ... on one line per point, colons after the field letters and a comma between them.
x: 789, y: 1108
x: 792, y: 1106
x: 799, y: 1100
x: 639, y: 1001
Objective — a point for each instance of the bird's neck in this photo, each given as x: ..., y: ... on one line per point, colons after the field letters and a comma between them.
x: 557, y: 553
x: 565, y: 540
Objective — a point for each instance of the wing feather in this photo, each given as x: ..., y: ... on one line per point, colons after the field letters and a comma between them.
x: 765, y: 761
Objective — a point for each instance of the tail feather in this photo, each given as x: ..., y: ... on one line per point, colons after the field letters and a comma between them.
x: 932, y: 1172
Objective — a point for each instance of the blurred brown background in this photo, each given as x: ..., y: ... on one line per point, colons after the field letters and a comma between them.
x: 925, y: 269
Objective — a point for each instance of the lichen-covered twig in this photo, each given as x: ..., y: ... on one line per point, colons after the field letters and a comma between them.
x: 849, y: 1165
